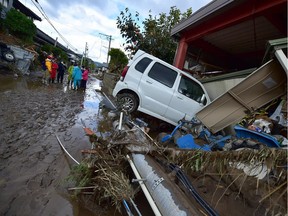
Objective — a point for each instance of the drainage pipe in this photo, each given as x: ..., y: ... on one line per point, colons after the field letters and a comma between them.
x: 144, y: 188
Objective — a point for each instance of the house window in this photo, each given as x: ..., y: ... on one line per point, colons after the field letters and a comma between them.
x: 191, y: 89
x: 163, y: 74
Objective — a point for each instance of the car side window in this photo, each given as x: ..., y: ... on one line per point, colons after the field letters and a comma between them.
x: 191, y: 89
x: 163, y: 74
x: 143, y: 64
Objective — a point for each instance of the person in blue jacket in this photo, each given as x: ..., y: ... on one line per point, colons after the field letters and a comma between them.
x: 76, y: 76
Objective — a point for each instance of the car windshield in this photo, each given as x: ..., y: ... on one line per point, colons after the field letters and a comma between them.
x: 191, y: 89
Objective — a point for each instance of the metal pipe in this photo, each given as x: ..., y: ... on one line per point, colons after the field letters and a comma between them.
x: 109, y: 100
x: 137, y: 180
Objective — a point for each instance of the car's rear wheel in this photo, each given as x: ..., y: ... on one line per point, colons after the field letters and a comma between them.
x: 128, y: 102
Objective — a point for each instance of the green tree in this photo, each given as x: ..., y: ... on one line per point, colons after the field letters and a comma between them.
x: 118, y: 60
x: 155, y: 35
x: 57, y: 52
x: 87, y: 62
x: 91, y: 64
x: 19, y: 25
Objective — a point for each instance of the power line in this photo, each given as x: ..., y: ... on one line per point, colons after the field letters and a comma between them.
x: 40, y: 9
x: 47, y: 18
x: 109, y: 38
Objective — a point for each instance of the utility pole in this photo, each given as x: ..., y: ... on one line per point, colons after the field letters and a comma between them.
x: 84, y: 54
x: 109, y: 38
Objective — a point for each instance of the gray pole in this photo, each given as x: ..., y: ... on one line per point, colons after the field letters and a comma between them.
x: 55, y: 43
x: 84, y: 54
x: 110, y: 38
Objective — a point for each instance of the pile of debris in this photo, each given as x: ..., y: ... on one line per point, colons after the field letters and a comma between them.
x: 271, y: 120
x: 243, y: 181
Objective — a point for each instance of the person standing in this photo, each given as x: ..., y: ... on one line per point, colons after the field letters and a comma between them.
x: 76, y: 76
x: 70, y: 71
x: 84, y: 78
x: 54, y: 70
x: 82, y: 69
x: 44, y: 68
x: 48, y: 64
x: 61, y: 71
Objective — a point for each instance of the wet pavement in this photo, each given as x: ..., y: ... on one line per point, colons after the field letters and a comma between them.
x: 33, y: 167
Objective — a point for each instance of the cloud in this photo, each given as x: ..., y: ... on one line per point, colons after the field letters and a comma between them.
x: 84, y: 21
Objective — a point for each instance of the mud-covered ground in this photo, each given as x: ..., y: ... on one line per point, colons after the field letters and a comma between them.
x: 33, y: 167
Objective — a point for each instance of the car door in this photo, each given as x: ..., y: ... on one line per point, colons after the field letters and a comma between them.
x: 186, y: 100
x: 156, y: 88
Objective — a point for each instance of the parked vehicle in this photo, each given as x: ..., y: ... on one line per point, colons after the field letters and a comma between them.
x: 154, y: 87
x: 6, y: 53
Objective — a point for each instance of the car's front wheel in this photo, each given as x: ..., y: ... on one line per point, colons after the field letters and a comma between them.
x: 8, y: 56
x: 128, y: 102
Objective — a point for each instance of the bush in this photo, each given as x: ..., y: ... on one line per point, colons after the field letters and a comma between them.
x: 118, y: 60
x: 57, y: 52
x: 19, y: 25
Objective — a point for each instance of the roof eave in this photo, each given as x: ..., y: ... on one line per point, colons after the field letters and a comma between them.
x: 18, y: 5
x: 200, y: 14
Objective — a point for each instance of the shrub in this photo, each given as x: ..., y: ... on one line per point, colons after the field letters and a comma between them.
x: 57, y: 52
x: 19, y: 25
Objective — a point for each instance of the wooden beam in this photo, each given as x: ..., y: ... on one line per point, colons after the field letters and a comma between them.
x: 233, y: 16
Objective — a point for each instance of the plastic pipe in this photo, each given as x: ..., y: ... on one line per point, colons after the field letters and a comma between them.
x: 144, y: 188
x: 66, y: 150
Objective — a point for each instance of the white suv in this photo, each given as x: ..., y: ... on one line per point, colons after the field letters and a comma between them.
x: 159, y: 89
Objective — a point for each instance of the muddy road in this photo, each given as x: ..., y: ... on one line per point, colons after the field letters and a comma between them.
x: 33, y: 167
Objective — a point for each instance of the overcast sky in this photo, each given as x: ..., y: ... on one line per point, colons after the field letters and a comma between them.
x: 84, y: 21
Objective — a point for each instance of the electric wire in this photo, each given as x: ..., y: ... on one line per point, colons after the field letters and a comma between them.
x: 47, y: 18
x: 185, y: 181
x: 40, y: 9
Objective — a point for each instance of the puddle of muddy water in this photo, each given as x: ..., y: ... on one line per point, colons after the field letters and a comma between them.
x: 12, y: 82
x: 91, y: 116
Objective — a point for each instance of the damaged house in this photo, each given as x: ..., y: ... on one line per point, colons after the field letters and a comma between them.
x: 228, y: 35
x: 232, y: 39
